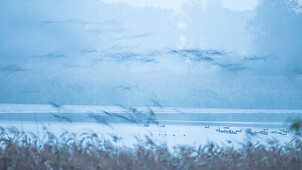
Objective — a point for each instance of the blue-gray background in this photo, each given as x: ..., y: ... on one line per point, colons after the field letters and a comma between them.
x: 193, y: 53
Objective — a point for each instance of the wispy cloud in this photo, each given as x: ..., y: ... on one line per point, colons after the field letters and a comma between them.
x: 12, y: 68
x: 52, y: 55
x: 79, y: 21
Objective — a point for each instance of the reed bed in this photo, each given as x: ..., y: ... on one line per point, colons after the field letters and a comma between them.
x: 19, y: 150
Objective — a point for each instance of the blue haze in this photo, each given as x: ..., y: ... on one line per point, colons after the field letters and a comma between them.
x: 98, y: 53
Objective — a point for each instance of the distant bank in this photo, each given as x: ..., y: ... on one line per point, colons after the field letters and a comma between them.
x: 143, y: 114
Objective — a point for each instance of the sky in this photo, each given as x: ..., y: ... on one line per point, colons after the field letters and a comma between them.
x: 184, y: 53
x: 178, y: 6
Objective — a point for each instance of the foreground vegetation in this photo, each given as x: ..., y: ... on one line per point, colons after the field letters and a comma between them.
x: 88, y: 151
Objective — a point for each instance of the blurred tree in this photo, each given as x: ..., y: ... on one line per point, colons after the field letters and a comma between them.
x: 296, y: 126
x: 276, y: 28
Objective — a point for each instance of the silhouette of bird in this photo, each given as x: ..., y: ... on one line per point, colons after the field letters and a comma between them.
x: 129, y: 119
x: 55, y: 105
x: 99, y: 119
x: 115, y: 138
x: 60, y: 117
x: 108, y: 113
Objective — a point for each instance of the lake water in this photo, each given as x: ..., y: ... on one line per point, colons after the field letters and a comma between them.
x: 185, y: 126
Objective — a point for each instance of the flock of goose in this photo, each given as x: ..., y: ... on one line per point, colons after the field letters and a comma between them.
x: 265, y: 131
x: 226, y: 129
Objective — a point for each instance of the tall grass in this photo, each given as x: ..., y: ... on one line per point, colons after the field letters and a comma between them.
x: 19, y: 150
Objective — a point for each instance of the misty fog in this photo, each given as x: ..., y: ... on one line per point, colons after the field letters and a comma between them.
x: 196, y: 53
